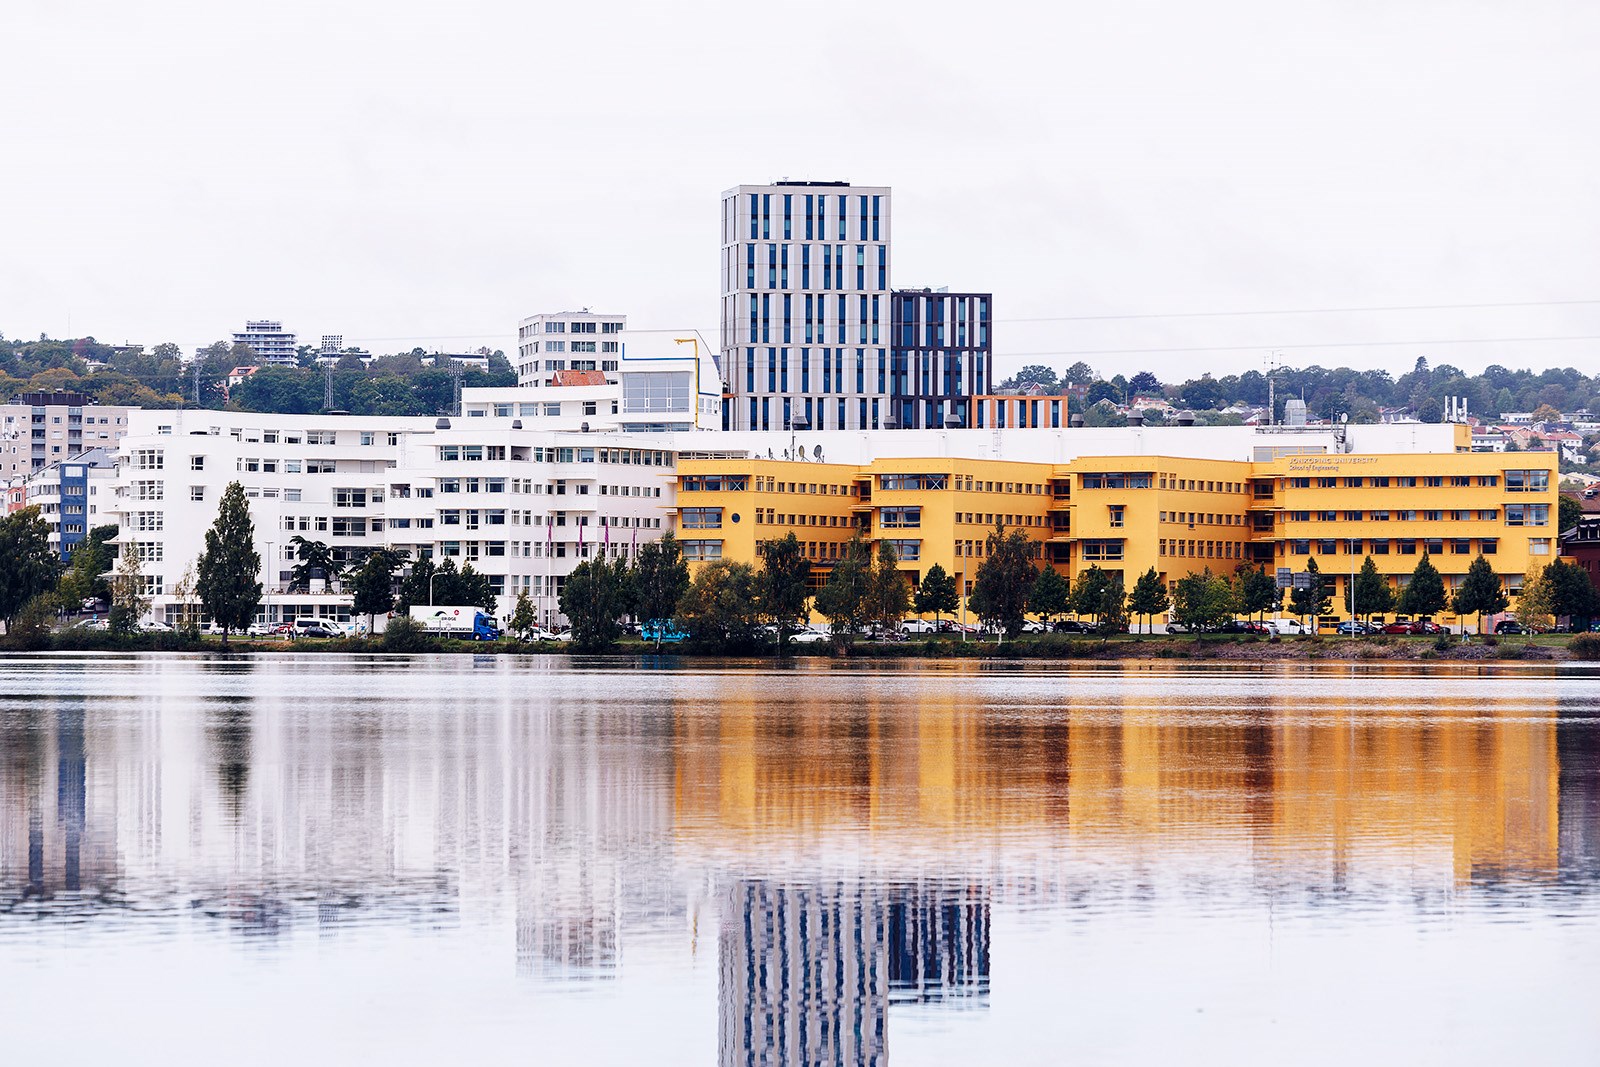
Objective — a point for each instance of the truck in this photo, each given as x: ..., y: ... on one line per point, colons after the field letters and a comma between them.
x: 464, y: 622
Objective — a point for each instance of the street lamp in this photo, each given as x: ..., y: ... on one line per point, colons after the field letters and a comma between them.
x: 431, y: 578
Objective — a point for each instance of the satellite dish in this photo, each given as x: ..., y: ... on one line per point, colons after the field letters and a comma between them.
x: 818, y: 453
x: 769, y: 453
x: 786, y: 453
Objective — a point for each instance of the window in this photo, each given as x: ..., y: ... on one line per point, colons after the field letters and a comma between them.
x: 1537, y: 481
x: 149, y: 459
x: 700, y: 551
x: 1142, y: 480
x: 349, y: 498
x: 149, y: 490
x: 913, y: 481
x: 1102, y: 549
x: 715, y: 483
x: 1538, y: 546
x: 905, y: 551
x: 197, y: 463
x: 1528, y: 514
x: 197, y: 492
x: 900, y: 518
x: 700, y: 518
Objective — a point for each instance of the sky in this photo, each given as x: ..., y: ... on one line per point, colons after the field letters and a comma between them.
x: 1116, y: 174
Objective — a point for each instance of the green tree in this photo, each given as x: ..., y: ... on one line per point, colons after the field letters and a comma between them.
x: 888, y: 592
x: 1203, y: 601
x: 373, y: 587
x: 1371, y: 591
x: 442, y: 583
x: 85, y: 576
x: 27, y: 566
x: 1568, y: 512
x: 1316, y: 599
x: 1149, y: 597
x: 1258, y: 591
x: 1050, y: 596
x: 842, y: 600
x: 230, y: 565
x: 1089, y: 590
x: 1423, y: 596
x: 523, y: 617
x: 128, y: 602
x: 1005, y: 578
x: 785, y: 572
x: 1111, y: 610
x: 937, y: 595
x: 1480, y: 592
x: 313, y: 557
x: 661, y: 578
x: 596, y: 595
x: 1572, y: 593
x: 721, y: 607
x: 415, y: 586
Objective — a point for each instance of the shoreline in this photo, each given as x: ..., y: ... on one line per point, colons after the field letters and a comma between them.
x: 1184, y: 648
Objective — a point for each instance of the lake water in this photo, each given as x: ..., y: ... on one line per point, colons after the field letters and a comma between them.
x: 316, y: 859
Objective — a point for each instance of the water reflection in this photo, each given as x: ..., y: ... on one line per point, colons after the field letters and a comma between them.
x: 848, y: 839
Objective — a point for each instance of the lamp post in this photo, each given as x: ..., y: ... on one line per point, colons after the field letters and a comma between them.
x: 272, y: 561
x: 431, y: 578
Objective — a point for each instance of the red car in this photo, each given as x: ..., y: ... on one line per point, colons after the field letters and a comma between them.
x: 1401, y: 628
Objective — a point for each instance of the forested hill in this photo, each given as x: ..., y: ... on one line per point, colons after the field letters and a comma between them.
x: 156, y: 378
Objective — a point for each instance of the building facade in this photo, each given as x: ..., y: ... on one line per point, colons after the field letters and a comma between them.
x: 37, y: 429
x: 270, y: 341
x: 567, y: 340
x: 941, y: 357
x: 69, y: 495
x: 806, y: 306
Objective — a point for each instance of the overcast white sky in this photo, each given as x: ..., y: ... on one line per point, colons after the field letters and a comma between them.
x: 408, y: 173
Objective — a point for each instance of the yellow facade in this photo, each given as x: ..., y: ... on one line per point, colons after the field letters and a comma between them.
x: 1127, y: 514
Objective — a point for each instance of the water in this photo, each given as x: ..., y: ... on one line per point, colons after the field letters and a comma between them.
x: 323, y: 860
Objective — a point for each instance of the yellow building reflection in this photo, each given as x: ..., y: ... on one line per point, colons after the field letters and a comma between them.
x: 1320, y: 774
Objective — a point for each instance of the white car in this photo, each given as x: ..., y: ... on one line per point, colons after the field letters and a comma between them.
x: 919, y: 626
x: 808, y: 637
x: 154, y: 626
x: 1033, y: 626
x: 316, y: 628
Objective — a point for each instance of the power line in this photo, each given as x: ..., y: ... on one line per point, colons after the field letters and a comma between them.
x: 1303, y: 311
x: 1291, y: 347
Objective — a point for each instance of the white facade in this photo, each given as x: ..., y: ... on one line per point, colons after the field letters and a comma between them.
x: 522, y: 506
x: 806, y: 305
x: 567, y: 340
x: 270, y: 341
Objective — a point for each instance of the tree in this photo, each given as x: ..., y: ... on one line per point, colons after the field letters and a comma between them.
x: 415, y: 586
x: 1258, y: 591
x: 373, y: 588
x: 183, y: 593
x: 888, y: 593
x: 1572, y: 593
x: 314, y: 557
x: 785, y: 572
x: 661, y: 578
x: 937, y: 594
x: 1050, y: 596
x: 1569, y: 511
x: 595, y: 596
x: 128, y: 602
x: 1149, y: 597
x: 1424, y: 595
x: 842, y: 600
x: 721, y: 607
x: 86, y: 574
x: 429, y: 583
x: 229, y: 566
x: 1111, y: 609
x: 1203, y: 601
x: 27, y: 566
x: 1144, y: 383
x: 1535, y: 601
x: 1371, y: 592
x: 1004, y: 579
x: 1480, y: 592
x: 1080, y: 373
x: 1315, y: 600
x: 1034, y: 374
x: 523, y: 617
x: 1088, y: 590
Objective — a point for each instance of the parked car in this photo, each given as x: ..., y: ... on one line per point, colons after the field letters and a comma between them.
x: 154, y: 626
x: 809, y: 636
x: 1069, y: 626
x: 1243, y: 626
x: 91, y: 624
x: 1352, y: 628
x: 1286, y: 627
x: 1509, y: 626
x: 918, y: 626
x: 259, y: 629
x: 283, y: 629
x: 316, y: 628
x: 1034, y: 626
x: 951, y: 626
x: 1403, y: 628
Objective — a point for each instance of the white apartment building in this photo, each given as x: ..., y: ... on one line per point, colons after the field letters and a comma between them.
x: 270, y: 341
x: 523, y: 506
x: 806, y: 306
x: 567, y: 340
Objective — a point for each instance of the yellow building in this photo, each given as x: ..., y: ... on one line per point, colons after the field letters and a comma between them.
x: 1128, y: 514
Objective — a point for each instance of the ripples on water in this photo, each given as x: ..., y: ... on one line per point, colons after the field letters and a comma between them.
x: 321, y: 859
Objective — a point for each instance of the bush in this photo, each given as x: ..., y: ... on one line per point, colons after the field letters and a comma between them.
x: 1443, y: 643
x: 405, y: 634
x: 1585, y: 646
x: 1491, y: 640
x: 30, y: 630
